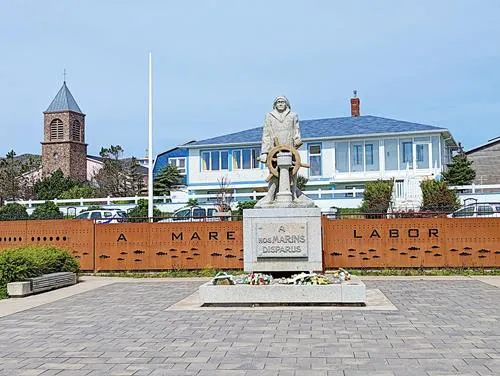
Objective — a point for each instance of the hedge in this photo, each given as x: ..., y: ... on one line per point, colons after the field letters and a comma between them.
x: 21, y: 263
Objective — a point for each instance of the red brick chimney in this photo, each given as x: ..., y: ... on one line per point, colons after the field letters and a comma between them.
x: 355, y: 104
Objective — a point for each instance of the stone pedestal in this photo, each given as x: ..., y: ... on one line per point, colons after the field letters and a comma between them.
x: 352, y: 292
x: 282, y: 240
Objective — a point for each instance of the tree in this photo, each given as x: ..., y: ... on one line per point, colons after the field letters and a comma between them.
x: 111, y: 178
x: 377, y: 196
x: 13, y: 212
x: 10, y: 178
x: 52, y: 186
x: 301, y: 182
x: 140, y: 212
x: 460, y: 171
x: 48, y: 210
x: 166, y: 178
x: 436, y: 196
x: 244, y: 205
x: 81, y: 191
x: 136, y: 179
x: 224, y: 195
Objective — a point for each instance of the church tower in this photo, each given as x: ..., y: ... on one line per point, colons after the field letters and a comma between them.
x: 63, y: 143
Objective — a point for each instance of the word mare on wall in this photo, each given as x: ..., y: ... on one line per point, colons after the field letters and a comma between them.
x: 348, y: 243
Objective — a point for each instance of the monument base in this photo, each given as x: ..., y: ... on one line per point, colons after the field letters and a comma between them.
x: 282, y: 240
x: 348, y: 292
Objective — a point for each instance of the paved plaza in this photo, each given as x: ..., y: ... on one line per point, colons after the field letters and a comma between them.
x: 445, y: 326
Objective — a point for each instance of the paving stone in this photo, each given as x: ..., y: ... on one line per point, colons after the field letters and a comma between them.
x: 440, y: 328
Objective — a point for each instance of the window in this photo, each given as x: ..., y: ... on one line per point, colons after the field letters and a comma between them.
x: 76, y: 130
x: 183, y: 213
x: 406, y: 153
x: 199, y: 213
x: 246, y: 158
x: 205, y: 160
x: 436, y: 161
x: 391, y: 154
x: 420, y: 153
x: 236, y: 159
x: 422, y: 157
x: 371, y: 156
x: 82, y: 216
x: 214, y: 160
x: 95, y: 215
x: 484, y: 210
x: 180, y: 163
x: 56, y: 129
x: 341, y: 156
x: 315, y: 160
x: 357, y: 159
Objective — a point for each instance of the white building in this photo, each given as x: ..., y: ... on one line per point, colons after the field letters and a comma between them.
x: 343, y: 153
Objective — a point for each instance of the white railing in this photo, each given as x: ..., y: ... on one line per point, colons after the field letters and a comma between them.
x: 319, y: 193
x: 324, y: 199
x: 477, y: 188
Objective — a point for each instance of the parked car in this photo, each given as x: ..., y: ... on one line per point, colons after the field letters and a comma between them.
x: 478, y: 210
x: 104, y: 215
x: 195, y: 214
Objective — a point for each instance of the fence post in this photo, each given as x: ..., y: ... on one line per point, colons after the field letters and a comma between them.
x: 109, y: 201
x: 255, y: 195
x: 55, y: 201
x: 30, y: 204
x: 81, y: 201
x: 353, y: 192
x: 319, y: 193
x: 136, y: 199
x: 473, y: 188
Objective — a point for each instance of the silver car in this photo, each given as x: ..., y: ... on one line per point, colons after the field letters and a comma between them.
x: 478, y: 210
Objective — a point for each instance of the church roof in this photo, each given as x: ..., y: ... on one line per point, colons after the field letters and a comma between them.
x: 330, y: 128
x: 64, y: 101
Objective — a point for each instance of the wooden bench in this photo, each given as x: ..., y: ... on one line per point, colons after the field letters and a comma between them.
x: 42, y: 283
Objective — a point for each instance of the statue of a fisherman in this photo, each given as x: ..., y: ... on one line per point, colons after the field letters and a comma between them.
x: 281, y: 139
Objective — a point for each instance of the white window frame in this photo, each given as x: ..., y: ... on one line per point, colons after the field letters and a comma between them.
x: 315, y: 155
x: 254, y: 163
x: 175, y: 161
x: 209, y: 167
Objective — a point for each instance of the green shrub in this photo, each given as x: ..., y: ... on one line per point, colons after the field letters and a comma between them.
x: 244, y: 205
x: 192, y: 202
x: 350, y: 213
x: 377, y: 196
x: 48, y: 210
x: 13, y: 212
x: 436, y: 196
x: 140, y: 212
x: 21, y: 263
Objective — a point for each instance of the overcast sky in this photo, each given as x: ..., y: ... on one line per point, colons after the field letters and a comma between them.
x: 219, y: 64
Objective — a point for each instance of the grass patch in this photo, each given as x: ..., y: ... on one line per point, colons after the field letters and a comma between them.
x: 207, y: 272
x: 403, y: 272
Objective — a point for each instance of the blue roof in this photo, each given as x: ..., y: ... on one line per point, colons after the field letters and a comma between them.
x: 64, y: 101
x: 325, y: 128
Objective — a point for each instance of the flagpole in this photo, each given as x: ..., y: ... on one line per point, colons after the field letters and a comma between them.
x: 150, y: 147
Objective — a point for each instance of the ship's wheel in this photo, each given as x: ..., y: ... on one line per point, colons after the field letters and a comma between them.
x: 272, y: 158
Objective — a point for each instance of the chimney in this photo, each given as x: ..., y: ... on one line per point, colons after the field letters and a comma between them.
x: 355, y: 104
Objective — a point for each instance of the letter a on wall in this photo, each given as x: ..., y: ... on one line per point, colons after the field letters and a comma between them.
x: 121, y: 237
